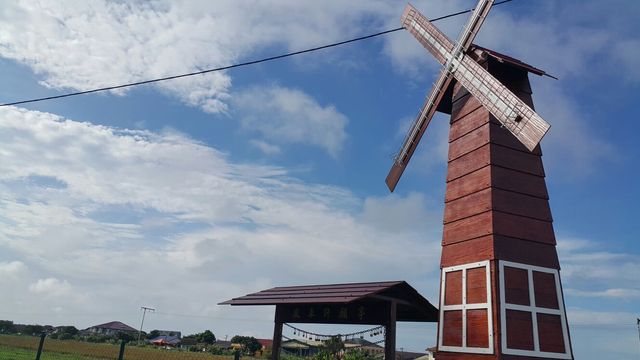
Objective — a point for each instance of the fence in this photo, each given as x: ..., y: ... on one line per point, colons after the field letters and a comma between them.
x: 20, y: 347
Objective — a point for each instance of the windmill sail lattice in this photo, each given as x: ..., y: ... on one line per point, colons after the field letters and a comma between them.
x: 513, y: 113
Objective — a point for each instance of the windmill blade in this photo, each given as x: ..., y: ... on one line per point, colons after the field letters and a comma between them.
x: 522, y: 121
x: 418, y: 129
x: 473, y: 26
x: 436, y: 42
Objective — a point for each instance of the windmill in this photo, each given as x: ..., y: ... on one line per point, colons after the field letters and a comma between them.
x: 500, y: 291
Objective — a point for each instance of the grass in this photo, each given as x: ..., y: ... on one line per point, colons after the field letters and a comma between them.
x: 11, y: 353
x: 15, y: 347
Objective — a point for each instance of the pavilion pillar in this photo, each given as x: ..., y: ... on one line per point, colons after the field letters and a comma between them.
x: 277, y: 335
x: 390, y: 334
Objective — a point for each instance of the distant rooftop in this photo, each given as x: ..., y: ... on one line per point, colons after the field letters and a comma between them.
x: 114, y: 325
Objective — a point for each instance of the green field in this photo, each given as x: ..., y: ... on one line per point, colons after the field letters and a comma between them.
x: 11, y: 353
x: 13, y: 347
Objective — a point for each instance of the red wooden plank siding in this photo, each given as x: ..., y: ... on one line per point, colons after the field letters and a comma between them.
x: 452, y: 335
x: 470, y: 141
x: 467, y: 206
x: 467, y: 251
x: 477, y: 328
x: 476, y: 285
x: 496, y: 209
x: 501, y: 136
x: 468, y: 228
x: 453, y: 288
x: 516, y: 160
x: 521, y: 204
x: 544, y: 286
x: 516, y: 286
x: 524, y: 251
x: 468, y: 163
x: 550, y: 333
x: 467, y: 124
x: 516, y: 181
x: 475, y: 181
x: 519, y: 330
x: 521, y: 227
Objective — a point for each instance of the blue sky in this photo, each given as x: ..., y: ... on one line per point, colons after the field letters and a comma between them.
x: 183, y: 194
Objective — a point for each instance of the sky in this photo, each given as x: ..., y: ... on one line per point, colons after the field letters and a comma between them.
x: 186, y: 193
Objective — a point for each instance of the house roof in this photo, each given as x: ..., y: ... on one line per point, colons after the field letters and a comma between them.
x: 266, y: 342
x: 411, y: 305
x: 222, y: 344
x: 114, y: 325
x: 165, y: 340
x: 409, y: 355
x: 301, y: 343
x: 357, y: 342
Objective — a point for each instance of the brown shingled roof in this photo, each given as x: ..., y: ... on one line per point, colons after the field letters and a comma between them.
x: 115, y: 325
x: 510, y: 60
x: 333, y: 293
x: 411, y: 305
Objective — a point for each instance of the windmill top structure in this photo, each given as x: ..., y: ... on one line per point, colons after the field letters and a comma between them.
x: 522, y: 121
x: 500, y: 290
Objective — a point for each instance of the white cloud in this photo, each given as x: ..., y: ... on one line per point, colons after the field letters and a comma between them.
x: 579, y: 316
x: 608, y: 293
x: 83, y: 45
x: 291, y: 116
x: 393, y: 214
x: 586, y: 270
x: 265, y: 147
x: 50, y: 287
x: 137, y: 217
x: 12, y: 269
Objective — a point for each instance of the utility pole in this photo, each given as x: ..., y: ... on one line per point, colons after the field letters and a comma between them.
x: 144, y: 312
x: 638, y: 323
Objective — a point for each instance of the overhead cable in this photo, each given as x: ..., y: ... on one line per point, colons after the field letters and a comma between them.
x: 228, y: 67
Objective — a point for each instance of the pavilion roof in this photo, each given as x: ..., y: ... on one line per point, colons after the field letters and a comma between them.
x: 411, y: 305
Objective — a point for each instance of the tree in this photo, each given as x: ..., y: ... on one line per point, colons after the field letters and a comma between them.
x: 69, y: 330
x: 249, y: 343
x: 206, y: 337
x: 33, y: 329
x: 153, y: 334
x: 334, y: 346
x: 357, y: 354
x: 7, y: 327
x: 124, y: 336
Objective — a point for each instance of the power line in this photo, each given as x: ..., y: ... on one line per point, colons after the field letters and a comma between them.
x: 253, y: 62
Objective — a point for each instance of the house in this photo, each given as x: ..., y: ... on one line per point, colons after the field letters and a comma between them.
x: 172, y: 333
x: 166, y: 340
x: 408, y: 355
x: 223, y: 344
x: 431, y: 353
x: 305, y: 347
x: 110, y: 329
x: 188, y: 342
x: 362, y: 344
x: 267, y: 344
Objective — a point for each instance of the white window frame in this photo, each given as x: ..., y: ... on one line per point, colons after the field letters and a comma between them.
x: 464, y: 307
x: 534, y: 310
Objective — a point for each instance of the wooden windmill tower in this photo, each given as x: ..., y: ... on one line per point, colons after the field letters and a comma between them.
x: 500, y: 294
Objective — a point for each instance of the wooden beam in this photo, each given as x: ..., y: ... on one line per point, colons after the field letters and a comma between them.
x: 390, y: 334
x: 277, y: 335
x: 390, y: 299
